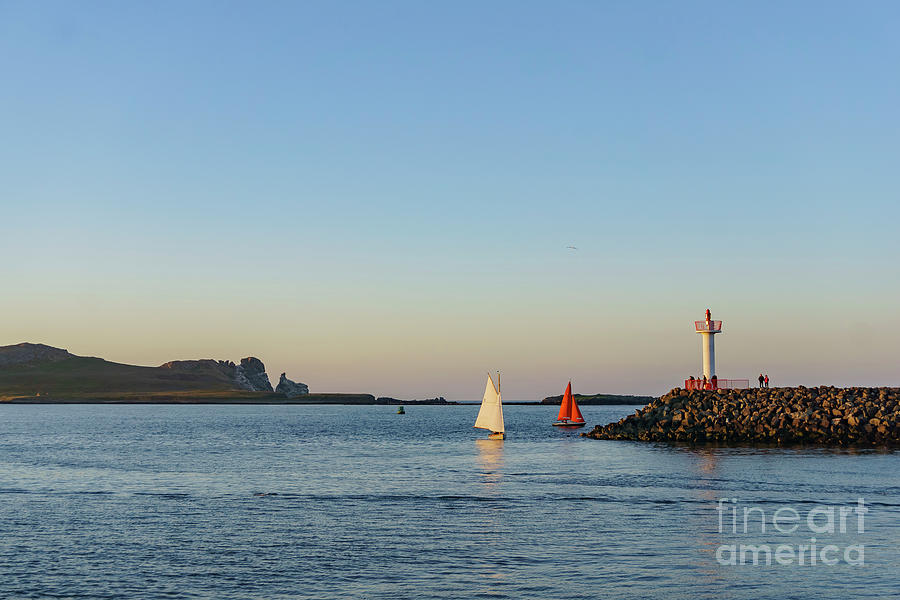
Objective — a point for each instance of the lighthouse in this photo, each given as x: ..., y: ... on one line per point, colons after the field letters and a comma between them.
x: 707, y: 330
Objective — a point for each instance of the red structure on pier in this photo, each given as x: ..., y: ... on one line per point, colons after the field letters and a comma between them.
x: 716, y: 384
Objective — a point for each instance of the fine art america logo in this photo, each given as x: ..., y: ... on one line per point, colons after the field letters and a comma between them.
x: 830, y: 521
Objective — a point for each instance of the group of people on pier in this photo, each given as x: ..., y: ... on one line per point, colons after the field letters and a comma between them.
x: 703, y: 384
x: 712, y: 383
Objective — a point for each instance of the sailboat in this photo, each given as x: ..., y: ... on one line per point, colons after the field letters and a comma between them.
x: 490, y: 416
x: 569, y: 415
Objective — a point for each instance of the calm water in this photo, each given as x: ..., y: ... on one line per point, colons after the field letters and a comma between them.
x: 358, y: 502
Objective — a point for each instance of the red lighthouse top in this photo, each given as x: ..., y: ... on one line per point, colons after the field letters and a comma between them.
x: 708, y: 326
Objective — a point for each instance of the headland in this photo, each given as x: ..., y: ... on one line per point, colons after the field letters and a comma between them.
x: 41, y: 374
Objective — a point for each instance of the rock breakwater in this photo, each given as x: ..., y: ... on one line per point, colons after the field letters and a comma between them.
x: 824, y: 416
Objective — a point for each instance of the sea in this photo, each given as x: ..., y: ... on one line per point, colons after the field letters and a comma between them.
x: 279, y: 502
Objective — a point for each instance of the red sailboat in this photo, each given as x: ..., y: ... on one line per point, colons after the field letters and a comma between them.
x: 569, y: 415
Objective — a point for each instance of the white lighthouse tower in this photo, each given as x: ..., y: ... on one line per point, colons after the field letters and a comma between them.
x: 707, y: 329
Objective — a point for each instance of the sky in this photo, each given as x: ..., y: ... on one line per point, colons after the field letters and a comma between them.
x: 378, y: 196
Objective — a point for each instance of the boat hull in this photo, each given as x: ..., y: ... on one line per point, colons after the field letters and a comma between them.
x: 496, y: 436
x: 568, y: 424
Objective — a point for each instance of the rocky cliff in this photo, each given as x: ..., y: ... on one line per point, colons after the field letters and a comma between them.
x: 250, y: 375
x: 825, y: 416
x: 291, y: 389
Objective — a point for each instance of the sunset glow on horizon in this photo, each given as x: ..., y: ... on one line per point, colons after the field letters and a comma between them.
x: 400, y: 225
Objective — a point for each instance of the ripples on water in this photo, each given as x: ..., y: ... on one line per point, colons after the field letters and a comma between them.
x: 358, y: 502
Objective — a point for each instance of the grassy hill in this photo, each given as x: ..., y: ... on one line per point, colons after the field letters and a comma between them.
x: 38, y: 371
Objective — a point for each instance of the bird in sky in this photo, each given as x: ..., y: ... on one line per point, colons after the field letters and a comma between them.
x: 572, y: 247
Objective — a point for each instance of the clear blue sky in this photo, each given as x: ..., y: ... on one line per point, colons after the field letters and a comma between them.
x: 378, y: 196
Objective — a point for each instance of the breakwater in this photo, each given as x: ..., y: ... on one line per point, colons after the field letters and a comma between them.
x: 825, y: 416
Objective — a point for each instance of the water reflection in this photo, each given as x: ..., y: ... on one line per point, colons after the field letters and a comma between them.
x: 490, y: 460
x: 490, y: 526
x: 706, y: 466
x: 708, y: 461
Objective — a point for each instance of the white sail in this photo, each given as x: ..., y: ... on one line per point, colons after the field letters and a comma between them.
x: 491, y: 414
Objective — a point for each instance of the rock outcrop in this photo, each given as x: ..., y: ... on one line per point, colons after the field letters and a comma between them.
x: 251, y: 375
x: 823, y: 416
x: 291, y: 389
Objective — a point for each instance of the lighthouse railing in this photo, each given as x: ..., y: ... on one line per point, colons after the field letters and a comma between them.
x: 708, y: 326
x: 718, y: 384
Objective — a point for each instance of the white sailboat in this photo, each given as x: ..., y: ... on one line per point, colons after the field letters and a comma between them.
x: 490, y: 416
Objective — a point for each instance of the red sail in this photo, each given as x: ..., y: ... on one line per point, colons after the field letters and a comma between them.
x: 565, y: 409
x: 576, y: 413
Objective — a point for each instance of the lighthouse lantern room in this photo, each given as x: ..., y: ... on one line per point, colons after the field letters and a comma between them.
x: 707, y: 330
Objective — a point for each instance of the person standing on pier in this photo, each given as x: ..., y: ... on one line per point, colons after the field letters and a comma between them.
x: 761, y: 379
x: 767, y: 380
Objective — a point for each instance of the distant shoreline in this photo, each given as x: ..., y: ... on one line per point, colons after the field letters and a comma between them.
x: 269, y: 399
x: 603, y: 400
x: 222, y: 398
x: 41, y: 374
